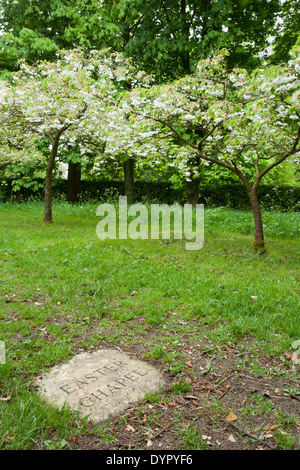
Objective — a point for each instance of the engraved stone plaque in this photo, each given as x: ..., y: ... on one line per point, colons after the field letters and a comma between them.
x: 101, y: 383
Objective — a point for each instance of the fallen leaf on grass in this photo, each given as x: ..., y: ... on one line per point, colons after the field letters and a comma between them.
x: 76, y: 423
x: 210, y: 388
x: 231, y: 417
x: 271, y: 427
x: 207, y: 440
x: 296, y: 358
x: 231, y: 438
x: 129, y: 428
x: 5, y: 399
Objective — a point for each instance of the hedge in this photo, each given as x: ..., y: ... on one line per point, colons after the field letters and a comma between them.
x: 229, y: 195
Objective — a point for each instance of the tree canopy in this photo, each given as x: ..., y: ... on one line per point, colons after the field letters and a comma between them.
x: 166, y: 38
x: 287, y: 31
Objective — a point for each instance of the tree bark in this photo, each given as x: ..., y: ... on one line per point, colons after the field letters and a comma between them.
x: 193, y: 186
x: 185, y: 56
x: 129, y: 179
x: 73, y: 186
x: 259, y: 243
x: 48, y: 186
x: 19, y: 195
x: 192, y: 191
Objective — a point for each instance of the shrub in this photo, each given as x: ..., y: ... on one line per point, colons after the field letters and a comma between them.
x: 282, y: 198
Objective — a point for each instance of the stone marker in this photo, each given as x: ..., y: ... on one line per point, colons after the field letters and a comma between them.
x: 101, y: 384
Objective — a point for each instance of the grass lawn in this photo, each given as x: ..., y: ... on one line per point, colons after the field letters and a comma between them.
x: 221, y: 323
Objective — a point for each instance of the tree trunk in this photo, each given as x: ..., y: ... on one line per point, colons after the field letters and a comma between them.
x: 74, y: 177
x: 48, y: 186
x: 19, y: 195
x: 192, y: 191
x: 259, y: 243
x: 185, y: 56
x: 129, y: 179
x: 193, y: 186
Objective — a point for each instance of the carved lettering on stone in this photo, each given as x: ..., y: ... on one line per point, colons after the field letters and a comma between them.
x: 100, y: 384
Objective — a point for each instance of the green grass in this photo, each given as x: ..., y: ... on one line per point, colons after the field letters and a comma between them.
x: 61, y: 289
x: 192, y: 439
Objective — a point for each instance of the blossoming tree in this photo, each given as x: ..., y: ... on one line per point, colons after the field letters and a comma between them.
x: 65, y: 101
x: 124, y: 133
x: 52, y: 101
x: 130, y: 138
x: 247, y: 124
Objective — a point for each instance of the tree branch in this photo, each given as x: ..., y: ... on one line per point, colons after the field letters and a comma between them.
x: 207, y: 135
x: 164, y: 123
x: 280, y: 160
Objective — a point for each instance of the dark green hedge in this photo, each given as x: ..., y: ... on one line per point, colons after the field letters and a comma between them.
x: 230, y: 195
